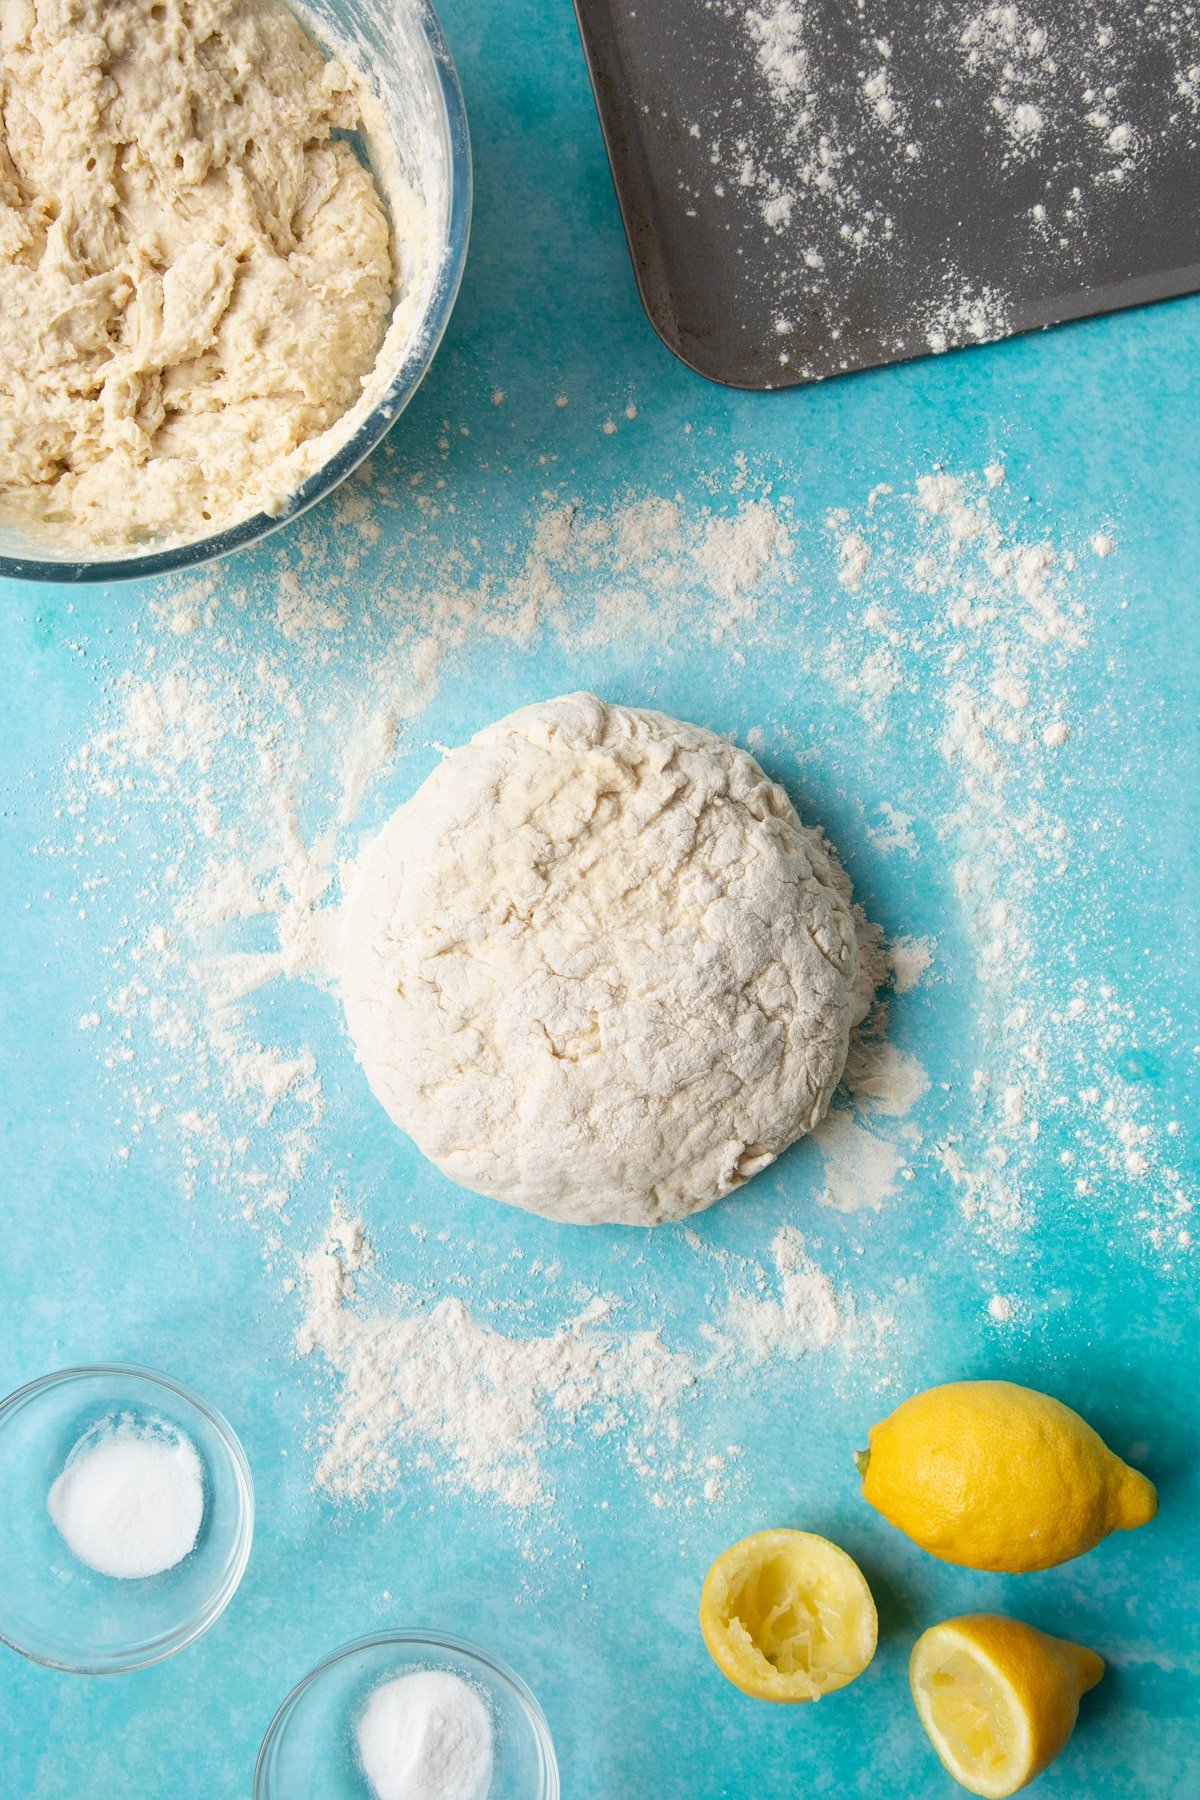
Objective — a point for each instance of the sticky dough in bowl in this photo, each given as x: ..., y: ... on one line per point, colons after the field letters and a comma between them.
x: 416, y: 141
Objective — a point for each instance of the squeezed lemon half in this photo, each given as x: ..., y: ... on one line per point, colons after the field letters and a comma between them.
x: 788, y: 1616
x: 998, y: 1698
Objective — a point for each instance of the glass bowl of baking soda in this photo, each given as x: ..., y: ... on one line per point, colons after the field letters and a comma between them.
x: 408, y: 1712
x: 128, y: 1513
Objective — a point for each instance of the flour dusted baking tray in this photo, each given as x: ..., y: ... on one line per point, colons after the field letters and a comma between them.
x: 809, y: 187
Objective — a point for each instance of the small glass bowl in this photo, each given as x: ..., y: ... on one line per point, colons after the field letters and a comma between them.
x: 310, y: 1753
x: 54, y: 1608
x: 402, y: 45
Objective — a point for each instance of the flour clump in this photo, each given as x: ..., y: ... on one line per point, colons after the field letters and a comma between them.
x: 598, y: 968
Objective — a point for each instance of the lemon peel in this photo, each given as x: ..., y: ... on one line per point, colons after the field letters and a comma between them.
x: 788, y: 1616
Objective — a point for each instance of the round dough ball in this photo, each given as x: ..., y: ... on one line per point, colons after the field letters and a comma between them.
x: 597, y: 967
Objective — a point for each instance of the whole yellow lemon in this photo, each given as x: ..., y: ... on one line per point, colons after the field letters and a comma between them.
x: 1000, y: 1477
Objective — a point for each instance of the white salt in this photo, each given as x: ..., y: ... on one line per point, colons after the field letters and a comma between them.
x: 426, y: 1736
x: 130, y: 1499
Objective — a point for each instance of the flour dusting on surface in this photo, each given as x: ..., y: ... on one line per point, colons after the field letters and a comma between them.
x: 815, y: 176
x: 260, y: 731
x: 434, y: 1383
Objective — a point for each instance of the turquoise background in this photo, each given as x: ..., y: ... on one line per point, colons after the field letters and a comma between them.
x: 1097, y: 425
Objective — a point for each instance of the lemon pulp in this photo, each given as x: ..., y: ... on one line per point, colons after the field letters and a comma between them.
x: 972, y: 1717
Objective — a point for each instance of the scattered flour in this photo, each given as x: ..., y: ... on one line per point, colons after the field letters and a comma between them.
x: 430, y: 1390
x: 807, y: 1315
x: 777, y: 32
x: 255, y: 733
x: 894, y: 833
x: 1011, y: 52
x: 966, y: 315
x: 911, y: 959
x: 992, y: 623
x: 437, y: 1382
x: 860, y: 1168
x: 885, y: 1079
x: 797, y: 1312
x: 854, y: 553
x: 838, y: 110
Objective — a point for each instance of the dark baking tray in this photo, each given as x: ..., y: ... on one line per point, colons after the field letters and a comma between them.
x: 955, y: 251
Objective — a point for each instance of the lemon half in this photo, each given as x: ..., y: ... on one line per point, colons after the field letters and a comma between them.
x: 998, y: 1698
x: 788, y: 1616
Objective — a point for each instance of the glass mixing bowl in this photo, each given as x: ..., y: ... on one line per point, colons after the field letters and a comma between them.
x: 310, y: 1753
x: 400, y: 44
x: 54, y: 1608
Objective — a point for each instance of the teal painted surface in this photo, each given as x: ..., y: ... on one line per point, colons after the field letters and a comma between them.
x: 1098, y: 426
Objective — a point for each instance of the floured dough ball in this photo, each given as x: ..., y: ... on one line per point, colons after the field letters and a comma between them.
x: 598, y: 968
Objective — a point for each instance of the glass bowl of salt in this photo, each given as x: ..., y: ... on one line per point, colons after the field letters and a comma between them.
x: 128, y: 1513
x: 408, y: 1713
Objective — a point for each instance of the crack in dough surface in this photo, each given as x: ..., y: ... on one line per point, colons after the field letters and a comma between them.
x: 195, y: 273
x: 598, y: 968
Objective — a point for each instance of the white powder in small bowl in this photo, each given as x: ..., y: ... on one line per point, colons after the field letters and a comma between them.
x: 426, y: 1736
x: 130, y: 1498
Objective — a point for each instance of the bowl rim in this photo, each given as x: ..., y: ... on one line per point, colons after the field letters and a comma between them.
x: 379, y: 421
x: 156, y: 1649
x: 419, y: 1638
